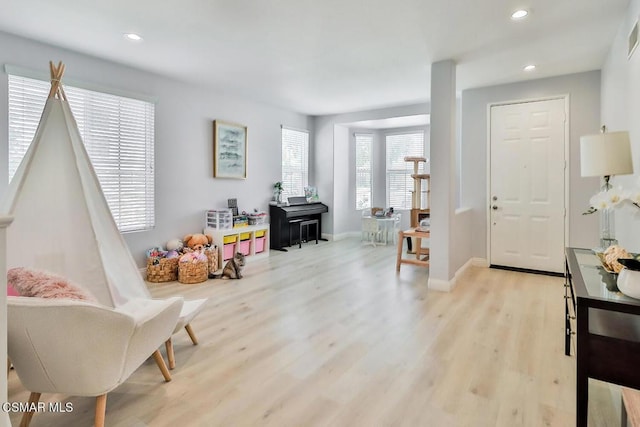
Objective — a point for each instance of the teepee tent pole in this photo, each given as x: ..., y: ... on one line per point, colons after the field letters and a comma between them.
x: 56, y: 90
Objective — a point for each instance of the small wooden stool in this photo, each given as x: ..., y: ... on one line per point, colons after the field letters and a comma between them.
x: 420, y: 260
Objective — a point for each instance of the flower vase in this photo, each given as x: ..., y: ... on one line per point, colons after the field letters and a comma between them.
x: 607, y: 228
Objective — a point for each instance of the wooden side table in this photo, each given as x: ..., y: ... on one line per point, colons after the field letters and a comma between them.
x: 422, y: 254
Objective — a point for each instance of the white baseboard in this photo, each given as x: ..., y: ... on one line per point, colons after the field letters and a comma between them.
x: 449, y: 285
x: 479, y: 262
x: 441, y: 285
x: 343, y: 236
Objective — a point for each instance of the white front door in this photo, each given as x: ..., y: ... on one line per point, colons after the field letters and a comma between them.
x: 527, y: 185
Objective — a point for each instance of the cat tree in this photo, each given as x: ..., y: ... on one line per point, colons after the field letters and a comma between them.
x: 417, y: 211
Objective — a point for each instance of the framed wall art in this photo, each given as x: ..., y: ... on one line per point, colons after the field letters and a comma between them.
x: 229, y: 150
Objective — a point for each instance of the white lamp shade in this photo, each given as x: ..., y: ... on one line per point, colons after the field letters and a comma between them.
x: 605, y: 154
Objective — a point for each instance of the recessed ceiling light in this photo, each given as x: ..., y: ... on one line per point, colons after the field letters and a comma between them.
x: 529, y: 67
x: 519, y: 14
x: 133, y: 36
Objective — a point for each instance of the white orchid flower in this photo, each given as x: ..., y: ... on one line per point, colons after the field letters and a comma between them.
x: 633, y: 196
x: 600, y: 201
x: 615, y: 196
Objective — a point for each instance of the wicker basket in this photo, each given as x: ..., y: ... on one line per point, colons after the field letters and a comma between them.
x: 162, y: 269
x: 212, y: 258
x: 193, y: 272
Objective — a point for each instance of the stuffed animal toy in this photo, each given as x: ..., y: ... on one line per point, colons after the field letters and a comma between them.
x: 193, y: 257
x: 198, y: 241
x: 175, y: 245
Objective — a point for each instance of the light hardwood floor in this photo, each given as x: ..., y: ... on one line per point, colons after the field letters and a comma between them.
x: 330, y: 335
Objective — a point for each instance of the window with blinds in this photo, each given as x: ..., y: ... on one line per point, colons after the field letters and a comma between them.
x: 118, y: 134
x: 295, y: 162
x: 364, y: 145
x: 399, y: 181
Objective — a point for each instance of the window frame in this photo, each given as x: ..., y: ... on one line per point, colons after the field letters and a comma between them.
x: 302, y: 170
x: 365, y: 169
x: 406, y: 171
x: 130, y: 181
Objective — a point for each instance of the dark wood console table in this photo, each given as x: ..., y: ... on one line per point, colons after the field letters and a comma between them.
x: 608, y: 327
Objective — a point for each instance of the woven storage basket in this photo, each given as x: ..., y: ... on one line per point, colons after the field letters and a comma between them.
x: 193, y: 272
x: 212, y: 258
x: 162, y: 269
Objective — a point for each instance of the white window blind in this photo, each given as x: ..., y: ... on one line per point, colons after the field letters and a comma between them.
x: 399, y: 181
x: 118, y: 133
x: 364, y: 144
x: 295, y: 162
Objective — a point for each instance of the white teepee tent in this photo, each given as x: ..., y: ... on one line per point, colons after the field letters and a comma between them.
x: 62, y: 222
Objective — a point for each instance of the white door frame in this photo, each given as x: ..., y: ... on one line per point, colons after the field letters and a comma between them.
x: 567, y: 171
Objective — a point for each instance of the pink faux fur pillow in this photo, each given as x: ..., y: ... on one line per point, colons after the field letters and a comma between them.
x: 35, y: 283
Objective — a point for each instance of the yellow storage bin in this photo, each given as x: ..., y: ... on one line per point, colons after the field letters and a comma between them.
x: 229, y: 239
x: 245, y: 236
x: 260, y: 233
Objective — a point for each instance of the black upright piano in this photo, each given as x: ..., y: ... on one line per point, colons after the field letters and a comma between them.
x: 281, y: 218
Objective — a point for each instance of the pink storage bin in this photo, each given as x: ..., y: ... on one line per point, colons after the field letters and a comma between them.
x: 259, y: 244
x: 228, y: 251
x: 245, y: 247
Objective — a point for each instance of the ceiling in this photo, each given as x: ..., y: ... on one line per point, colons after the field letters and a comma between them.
x: 328, y: 56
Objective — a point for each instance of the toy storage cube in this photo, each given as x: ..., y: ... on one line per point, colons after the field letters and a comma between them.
x: 228, y: 251
x: 260, y: 244
x: 245, y: 247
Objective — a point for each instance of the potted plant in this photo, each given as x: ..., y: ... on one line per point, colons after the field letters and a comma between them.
x: 277, y: 192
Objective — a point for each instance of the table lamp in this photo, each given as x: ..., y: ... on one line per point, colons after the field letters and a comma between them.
x: 606, y: 154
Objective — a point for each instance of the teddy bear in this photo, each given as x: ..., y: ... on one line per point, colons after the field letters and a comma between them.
x: 197, y: 242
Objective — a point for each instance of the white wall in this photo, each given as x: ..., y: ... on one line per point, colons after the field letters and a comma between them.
x: 584, y: 118
x: 341, y: 180
x: 621, y: 111
x: 443, y: 180
x: 185, y: 186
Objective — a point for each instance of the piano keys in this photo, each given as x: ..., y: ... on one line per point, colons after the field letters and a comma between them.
x: 281, y: 218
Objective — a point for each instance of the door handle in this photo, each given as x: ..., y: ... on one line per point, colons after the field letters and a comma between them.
x: 494, y: 207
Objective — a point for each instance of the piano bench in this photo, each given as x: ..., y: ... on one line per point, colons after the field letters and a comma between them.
x: 292, y: 223
x: 307, y: 223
